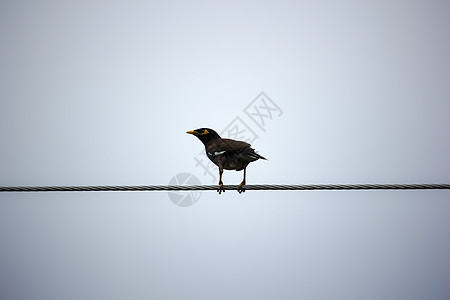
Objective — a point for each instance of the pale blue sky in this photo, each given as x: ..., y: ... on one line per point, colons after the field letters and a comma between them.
x: 102, y: 93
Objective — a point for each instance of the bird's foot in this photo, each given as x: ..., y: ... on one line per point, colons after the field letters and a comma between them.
x: 240, y: 188
x: 221, y: 189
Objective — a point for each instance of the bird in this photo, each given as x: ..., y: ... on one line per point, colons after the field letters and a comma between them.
x: 227, y: 154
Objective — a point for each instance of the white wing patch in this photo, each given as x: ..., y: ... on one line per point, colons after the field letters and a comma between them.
x: 216, y: 153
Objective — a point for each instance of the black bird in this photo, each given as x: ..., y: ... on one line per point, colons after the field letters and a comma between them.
x: 227, y: 154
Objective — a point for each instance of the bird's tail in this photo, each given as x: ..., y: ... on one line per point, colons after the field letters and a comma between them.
x: 256, y: 156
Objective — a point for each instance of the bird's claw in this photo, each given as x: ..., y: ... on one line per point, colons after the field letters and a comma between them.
x: 221, y: 189
x: 240, y: 188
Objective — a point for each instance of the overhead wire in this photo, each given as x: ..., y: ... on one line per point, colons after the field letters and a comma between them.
x: 256, y: 187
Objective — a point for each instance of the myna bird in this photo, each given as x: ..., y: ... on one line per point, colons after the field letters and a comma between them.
x: 227, y: 154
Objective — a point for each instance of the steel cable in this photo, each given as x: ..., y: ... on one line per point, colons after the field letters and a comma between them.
x: 271, y: 187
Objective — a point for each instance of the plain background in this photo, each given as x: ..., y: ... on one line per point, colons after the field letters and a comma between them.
x: 102, y: 93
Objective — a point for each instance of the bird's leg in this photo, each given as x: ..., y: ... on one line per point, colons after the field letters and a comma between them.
x: 221, y: 189
x: 240, y: 189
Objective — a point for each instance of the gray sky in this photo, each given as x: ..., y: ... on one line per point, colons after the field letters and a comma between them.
x: 102, y: 93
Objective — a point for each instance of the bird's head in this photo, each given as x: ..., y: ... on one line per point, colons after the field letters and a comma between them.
x: 204, y: 134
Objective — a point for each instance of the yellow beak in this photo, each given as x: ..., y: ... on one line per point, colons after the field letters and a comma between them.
x: 190, y: 132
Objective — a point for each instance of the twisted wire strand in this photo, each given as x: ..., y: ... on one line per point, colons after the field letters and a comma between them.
x: 271, y: 187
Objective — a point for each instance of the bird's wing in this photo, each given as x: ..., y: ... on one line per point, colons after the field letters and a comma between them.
x: 243, y: 149
x: 234, y: 146
x: 226, y: 146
